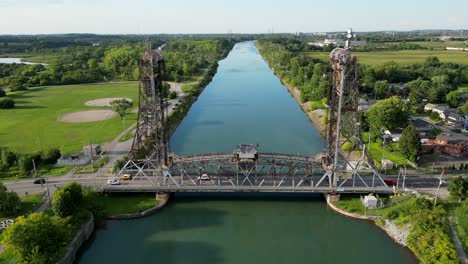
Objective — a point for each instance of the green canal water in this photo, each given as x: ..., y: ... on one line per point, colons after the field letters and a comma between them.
x: 245, y: 103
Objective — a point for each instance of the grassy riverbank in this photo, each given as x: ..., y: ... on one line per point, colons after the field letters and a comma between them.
x: 125, y: 203
x: 428, y: 236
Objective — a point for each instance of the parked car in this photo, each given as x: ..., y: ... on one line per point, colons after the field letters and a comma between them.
x: 390, y: 182
x: 204, y: 177
x: 113, y: 182
x: 39, y: 181
x: 125, y: 177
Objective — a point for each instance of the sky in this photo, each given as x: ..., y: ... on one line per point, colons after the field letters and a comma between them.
x: 219, y: 16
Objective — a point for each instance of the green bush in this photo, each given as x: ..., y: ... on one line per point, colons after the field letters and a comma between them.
x: 37, y: 238
x: 50, y: 156
x: 68, y: 199
x: 7, y: 104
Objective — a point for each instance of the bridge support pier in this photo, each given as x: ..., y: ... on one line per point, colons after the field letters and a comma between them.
x: 332, y: 197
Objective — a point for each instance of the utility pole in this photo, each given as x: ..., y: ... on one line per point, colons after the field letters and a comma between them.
x: 92, y: 163
x: 438, y: 187
x: 34, y: 169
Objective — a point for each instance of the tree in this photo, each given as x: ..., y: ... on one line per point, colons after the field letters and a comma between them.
x: 121, y: 106
x: 390, y: 113
x: 380, y: 87
x: 418, y: 90
x: 50, y: 156
x: 9, y: 202
x: 8, y: 158
x: 2, y: 93
x: 458, y: 188
x: 67, y: 200
x: 7, y: 104
x: 37, y: 238
x: 440, y: 87
x: 464, y: 108
x: 454, y: 98
x: 410, y: 143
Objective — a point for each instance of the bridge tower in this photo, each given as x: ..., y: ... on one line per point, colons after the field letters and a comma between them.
x: 149, y: 152
x: 343, y: 119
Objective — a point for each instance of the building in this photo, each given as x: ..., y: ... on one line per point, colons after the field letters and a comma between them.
x: 96, y: 149
x: 370, y: 201
x: 364, y: 105
x: 395, y: 134
x: 439, y: 109
x: 429, y: 107
x: 451, y: 144
x: 423, y: 127
x: 454, y: 118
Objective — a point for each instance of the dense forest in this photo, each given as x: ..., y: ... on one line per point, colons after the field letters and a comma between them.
x: 185, y: 59
x: 431, y: 80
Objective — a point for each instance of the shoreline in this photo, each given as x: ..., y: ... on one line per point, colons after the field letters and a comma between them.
x: 164, y: 200
x: 398, y: 234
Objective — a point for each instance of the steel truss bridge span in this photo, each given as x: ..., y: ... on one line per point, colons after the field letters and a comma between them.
x: 226, y: 172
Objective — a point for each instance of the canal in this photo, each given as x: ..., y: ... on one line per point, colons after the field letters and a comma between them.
x: 245, y: 103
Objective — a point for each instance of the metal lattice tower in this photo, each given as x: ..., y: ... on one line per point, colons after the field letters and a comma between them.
x: 343, y: 120
x: 151, y: 133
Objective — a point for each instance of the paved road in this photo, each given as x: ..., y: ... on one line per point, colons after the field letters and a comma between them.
x: 425, y: 183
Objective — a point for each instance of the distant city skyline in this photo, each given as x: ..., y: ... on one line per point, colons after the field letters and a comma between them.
x: 217, y: 16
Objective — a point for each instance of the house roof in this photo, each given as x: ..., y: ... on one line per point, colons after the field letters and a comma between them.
x: 421, y: 124
x: 430, y: 105
x: 453, y: 138
x: 454, y: 115
x: 440, y: 107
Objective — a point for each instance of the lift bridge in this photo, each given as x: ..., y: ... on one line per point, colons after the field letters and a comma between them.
x: 155, y: 169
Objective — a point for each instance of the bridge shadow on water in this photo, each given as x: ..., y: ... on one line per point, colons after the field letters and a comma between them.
x: 161, y: 242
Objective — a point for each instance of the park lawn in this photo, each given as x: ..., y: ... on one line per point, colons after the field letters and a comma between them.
x: 403, y: 57
x: 127, y: 136
x: 32, y: 125
x: 126, y: 203
x: 352, y: 203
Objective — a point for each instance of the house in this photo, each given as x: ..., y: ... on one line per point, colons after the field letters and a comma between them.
x: 423, y: 127
x: 439, y: 109
x: 454, y: 118
x: 364, y: 105
x: 395, y: 134
x: 451, y: 144
x: 429, y: 107
x: 399, y: 87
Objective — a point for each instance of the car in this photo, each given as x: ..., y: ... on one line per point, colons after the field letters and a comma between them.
x: 204, y: 177
x: 125, y: 177
x: 180, y: 101
x: 113, y: 182
x: 39, y: 181
x: 390, y: 182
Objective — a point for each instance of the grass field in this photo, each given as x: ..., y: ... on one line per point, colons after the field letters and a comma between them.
x: 437, y: 44
x: 126, y: 203
x: 33, y: 124
x: 403, y: 57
